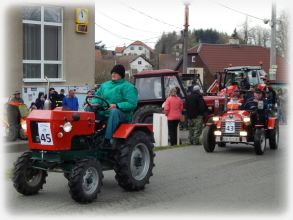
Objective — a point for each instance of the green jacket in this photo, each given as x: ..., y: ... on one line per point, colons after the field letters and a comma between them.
x: 120, y: 92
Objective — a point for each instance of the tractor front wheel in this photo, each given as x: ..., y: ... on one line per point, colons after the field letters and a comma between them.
x: 85, y: 180
x: 26, y: 179
x: 274, y: 138
x: 208, y: 138
x: 134, y: 161
x: 259, y: 141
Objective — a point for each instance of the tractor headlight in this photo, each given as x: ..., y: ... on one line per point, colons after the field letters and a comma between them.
x: 217, y: 133
x: 23, y: 125
x: 243, y: 133
x: 67, y: 127
x: 246, y: 119
x: 216, y: 118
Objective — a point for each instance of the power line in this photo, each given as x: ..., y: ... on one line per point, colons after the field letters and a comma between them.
x: 116, y: 35
x: 238, y: 11
x: 126, y: 25
x: 151, y: 17
x: 119, y: 36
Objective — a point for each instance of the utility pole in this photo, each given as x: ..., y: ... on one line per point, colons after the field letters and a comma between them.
x: 273, y: 59
x: 185, y: 38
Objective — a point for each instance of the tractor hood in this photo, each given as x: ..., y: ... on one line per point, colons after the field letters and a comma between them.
x: 234, y: 115
x: 54, y: 129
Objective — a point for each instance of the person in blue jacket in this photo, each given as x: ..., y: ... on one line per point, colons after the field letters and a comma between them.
x: 259, y: 104
x: 70, y: 102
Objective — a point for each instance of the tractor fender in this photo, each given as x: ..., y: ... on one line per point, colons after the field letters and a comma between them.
x: 272, y: 121
x: 209, y: 121
x: 125, y: 130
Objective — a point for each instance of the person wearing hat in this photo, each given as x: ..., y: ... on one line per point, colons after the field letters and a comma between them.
x: 17, y: 97
x: 258, y: 103
x: 122, y: 97
x: 196, y: 110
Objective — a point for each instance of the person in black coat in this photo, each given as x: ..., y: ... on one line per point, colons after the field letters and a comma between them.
x: 53, y: 96
x: 40, y: 100
x: 196, y: 109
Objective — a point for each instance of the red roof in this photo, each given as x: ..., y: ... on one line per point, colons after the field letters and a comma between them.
x: 216, y: 57
x: 167, y: 61
x: 139, y: 43
x: 119, y: 49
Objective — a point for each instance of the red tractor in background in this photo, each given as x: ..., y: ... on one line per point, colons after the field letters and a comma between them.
x: 70, y: 142
x: 241, y: 126
x: 154, y: 86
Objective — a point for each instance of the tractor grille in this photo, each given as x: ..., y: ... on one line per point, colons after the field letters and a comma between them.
x: 35, y: 132
x: 237, y: 129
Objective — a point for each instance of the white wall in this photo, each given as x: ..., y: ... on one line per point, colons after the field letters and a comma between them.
x: 136, y: 51
x: 140, y: 67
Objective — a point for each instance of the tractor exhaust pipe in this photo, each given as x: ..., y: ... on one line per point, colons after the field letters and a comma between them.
x: 47, y: 103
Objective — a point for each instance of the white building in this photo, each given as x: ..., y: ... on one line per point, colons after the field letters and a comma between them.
x: 49, y: 41
x: 139, y: 64
x: 138, y: 48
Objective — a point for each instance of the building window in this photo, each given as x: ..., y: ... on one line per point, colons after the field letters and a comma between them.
x: 42, y: 43
x: 131, y: 48
x: 140, y: 48
x: 193, y: 59
x: 139, y: 62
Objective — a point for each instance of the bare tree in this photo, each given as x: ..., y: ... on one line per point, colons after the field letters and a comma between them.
x: 282, y: 33
x: 260, y: 36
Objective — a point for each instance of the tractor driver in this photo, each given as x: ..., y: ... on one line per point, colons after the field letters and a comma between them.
x: 259, y: 103
x: 244, y: 83
x: 122, y: 97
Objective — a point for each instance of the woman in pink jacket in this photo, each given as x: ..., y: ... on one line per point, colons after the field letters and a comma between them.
x: 173, y: 107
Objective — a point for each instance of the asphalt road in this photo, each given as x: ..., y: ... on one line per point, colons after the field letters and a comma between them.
x: 187, y: 180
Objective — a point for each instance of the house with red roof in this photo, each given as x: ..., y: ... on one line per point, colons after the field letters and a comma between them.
x: 208, y: 59
x: 138, y: 48
x: 119, y: 51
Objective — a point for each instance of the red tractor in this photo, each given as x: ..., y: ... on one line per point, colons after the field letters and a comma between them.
x: 241, y: 126
x: 70, y: 142
x: 154, y: 86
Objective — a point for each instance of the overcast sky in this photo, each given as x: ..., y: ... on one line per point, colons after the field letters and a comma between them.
x: 120, y: 22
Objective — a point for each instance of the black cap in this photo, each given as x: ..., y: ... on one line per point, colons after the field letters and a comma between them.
x: 258, y: 91
x: 119, y: 69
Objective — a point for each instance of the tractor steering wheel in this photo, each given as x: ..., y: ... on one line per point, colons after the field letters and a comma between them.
x: 98, y: 106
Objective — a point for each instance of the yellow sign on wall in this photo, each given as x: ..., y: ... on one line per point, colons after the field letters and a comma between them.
x: 81, y: 28
x: 81, y: 16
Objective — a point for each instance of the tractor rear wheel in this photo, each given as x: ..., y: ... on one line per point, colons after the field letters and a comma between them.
x: 26, y: 179
x: 274, y: 138
x: 85, y: 180
x: 208, y: 138
x: 134, y: 161
x: 145, y: 113
x: 259, y: 141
